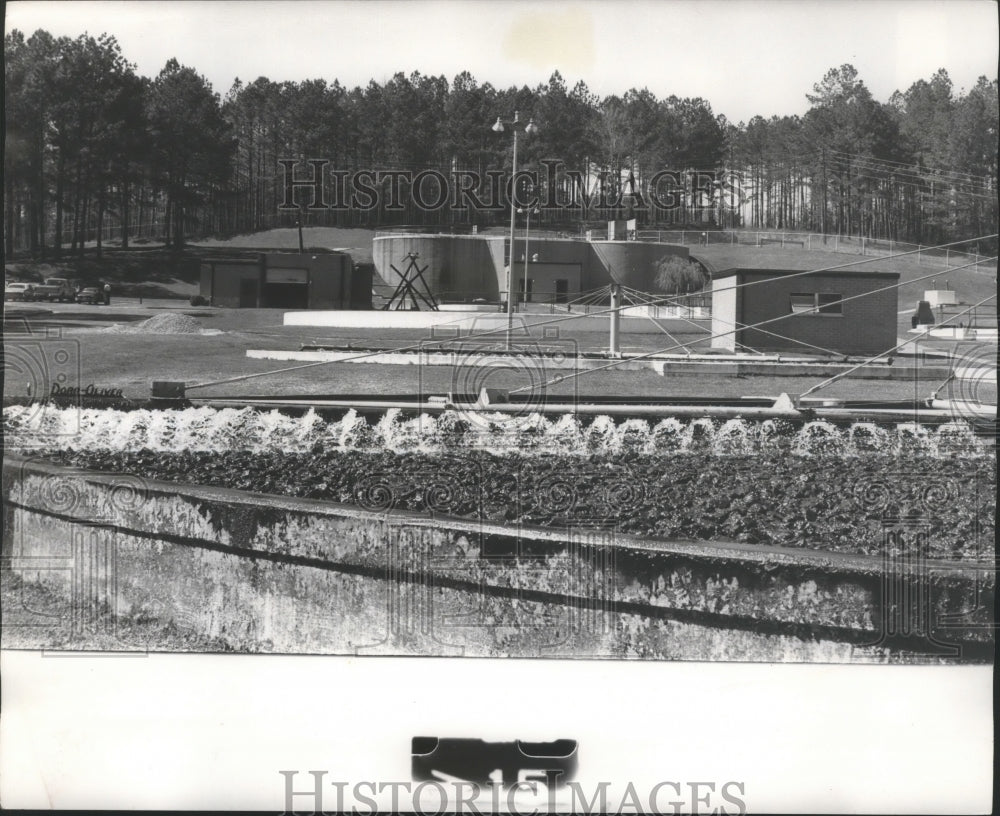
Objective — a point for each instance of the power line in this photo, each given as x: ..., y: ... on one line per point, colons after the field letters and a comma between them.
x: 733, y: 331
x: 812, y: 154
x: 900, y: 176
x: 835, y: 377
x: 920, y: 185
x: 908, y: 165
x: 815, y: 154
x: 865, y: 260
x: 890, y: 174
x: 738, y: 325
x: 458, y: 321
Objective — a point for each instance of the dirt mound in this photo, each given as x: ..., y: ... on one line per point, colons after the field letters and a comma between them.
x: 162, y: 324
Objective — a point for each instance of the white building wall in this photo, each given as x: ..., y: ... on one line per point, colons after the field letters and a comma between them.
x: 724, y: 293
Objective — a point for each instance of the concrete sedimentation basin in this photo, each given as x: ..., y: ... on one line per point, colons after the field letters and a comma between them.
x: 265, y: 573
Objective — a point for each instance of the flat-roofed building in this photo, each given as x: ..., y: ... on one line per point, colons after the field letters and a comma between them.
x: 287, y: 280
x: 839, y: 311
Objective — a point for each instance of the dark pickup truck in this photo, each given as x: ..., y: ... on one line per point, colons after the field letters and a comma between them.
x: 57, y: 289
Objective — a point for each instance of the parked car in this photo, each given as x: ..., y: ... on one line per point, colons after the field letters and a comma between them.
x: 90, y: 294
x: 56, y: 289
x: 18, y: 291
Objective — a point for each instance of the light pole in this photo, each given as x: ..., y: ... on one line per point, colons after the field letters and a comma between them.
x: 527, y: 236
x: 498, y: 127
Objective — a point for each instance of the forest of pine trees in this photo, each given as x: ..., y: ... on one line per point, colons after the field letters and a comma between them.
x: 96, y: 152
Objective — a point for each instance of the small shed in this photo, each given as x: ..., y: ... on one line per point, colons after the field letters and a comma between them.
x: 841, y: 311
x: 287, y: 280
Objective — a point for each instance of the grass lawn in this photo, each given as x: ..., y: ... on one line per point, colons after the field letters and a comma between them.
x: 154, y: 272
x: 131, y: 361
x: 356, y: 241
x: 916, y: 274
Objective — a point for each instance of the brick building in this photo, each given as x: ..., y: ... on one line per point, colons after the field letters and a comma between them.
x: 805, y: 312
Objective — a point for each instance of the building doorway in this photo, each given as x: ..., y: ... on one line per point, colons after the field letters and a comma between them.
x: 286, y: 288
x: 562, y: 290
x: 248, y: 293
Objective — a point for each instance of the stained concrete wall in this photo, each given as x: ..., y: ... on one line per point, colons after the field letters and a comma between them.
x: 272, y: 574
x: 630, y: 263
x: 465, y: 267
x: 457, y: 266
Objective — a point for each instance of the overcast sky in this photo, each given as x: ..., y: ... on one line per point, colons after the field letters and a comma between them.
x: 744, y: 57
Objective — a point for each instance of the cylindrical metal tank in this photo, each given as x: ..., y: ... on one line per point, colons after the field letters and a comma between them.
x: 461, y: 268
x: 630, y: 263
x: 458, y: 267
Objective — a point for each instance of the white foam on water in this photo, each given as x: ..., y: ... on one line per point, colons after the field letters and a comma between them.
x: 394, y: 433
x: 668, y: 436
x: 955, y: 438
x: 566, y: 433
x: 601, y: 437
x: 37, y: 427
x: 818, y: 438
x: 867, y: 436
x: 634, y: 436
x: 699, y: 435
x: 736, y: 437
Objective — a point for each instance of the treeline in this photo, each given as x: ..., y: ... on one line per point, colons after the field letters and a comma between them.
x: 95, y: 150
x: 921, y: 167
x: 89, y: 142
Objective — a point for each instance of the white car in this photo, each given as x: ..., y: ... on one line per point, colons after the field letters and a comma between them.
x: 19, y: 291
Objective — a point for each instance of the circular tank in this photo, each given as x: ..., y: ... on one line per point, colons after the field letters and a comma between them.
x: 630, y: 263
x: 461, y: 268
x: 457, y: 267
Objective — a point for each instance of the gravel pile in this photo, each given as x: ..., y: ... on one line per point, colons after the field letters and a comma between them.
x: 162, y: 324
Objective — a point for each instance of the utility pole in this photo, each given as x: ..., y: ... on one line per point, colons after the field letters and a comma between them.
x: 511, y: 291
x: 823, y: 214
x: 732, y: 174
x: 616, y: 304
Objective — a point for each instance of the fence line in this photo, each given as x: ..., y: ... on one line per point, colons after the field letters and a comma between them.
x: 861, y: 245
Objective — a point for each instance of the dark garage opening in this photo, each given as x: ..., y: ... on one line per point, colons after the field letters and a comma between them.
x: 286, y: 295
x: 248, y: 293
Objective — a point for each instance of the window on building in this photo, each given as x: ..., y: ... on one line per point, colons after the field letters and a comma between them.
x: 803, y: 303
x: 829, y: 304
x: 815, y: 303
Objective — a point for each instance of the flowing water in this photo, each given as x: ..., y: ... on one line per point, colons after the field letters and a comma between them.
x: 41, y: 427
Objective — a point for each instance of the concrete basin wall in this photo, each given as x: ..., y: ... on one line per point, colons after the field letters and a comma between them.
x: 475, y: 322
x: 274, y: 574
x: 456, y: 265
x: 464, y: 266
x: 630, y: 263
